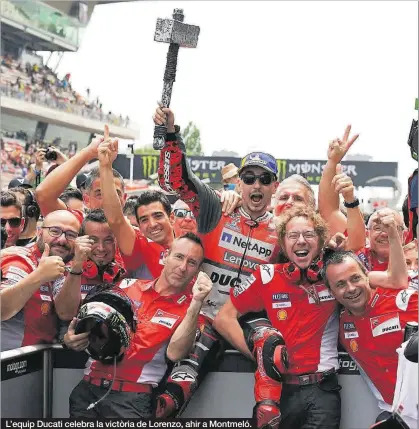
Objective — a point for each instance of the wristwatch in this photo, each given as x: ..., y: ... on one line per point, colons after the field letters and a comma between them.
x: 355, y: 203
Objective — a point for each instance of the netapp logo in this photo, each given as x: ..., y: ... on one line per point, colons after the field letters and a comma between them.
x: 236, y: 260
x: 238, y: 242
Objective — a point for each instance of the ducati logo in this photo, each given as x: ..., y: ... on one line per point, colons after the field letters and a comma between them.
x: 353, y: 345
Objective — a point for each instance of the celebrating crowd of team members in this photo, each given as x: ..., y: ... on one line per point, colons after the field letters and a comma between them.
x: 259, y: 265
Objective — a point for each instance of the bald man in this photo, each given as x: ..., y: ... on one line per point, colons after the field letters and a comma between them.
x: 27, y: 310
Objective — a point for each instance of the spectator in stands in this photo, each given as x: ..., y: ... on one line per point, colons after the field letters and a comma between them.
x: 184, y: 219
x: 73, y: 198
x: 11, y: 217
x: 153, y: 343
x: 129, y: 210
x: 26, y: 291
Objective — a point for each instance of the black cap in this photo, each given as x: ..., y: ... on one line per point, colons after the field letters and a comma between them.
x: 19, y: 181
x: 81, y: 180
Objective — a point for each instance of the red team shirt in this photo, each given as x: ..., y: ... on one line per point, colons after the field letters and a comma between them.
x: 37, y: 322
x: 368, y: 258
x: 157, y: 319
x: 372, y: 340
x: 310, y: 329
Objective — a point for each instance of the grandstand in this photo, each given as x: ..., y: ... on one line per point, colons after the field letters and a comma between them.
x: 37, y: 105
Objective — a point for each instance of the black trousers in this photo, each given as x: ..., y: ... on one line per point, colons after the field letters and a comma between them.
x: 316, y: 406
x: 115, y: 405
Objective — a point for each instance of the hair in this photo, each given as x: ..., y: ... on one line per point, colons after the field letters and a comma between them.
x: 192, y: 237
x: 28, y: 200
x: 9, y: 199
x: 147, y: 197
x: 94, y: 215
x: 338, y: 257
x: 302, y: 181
x: 22, y: 191
x: 95, y: 174
x: 129, y: 207
x: 413, y: 245
x: 70, y: 193
x: 320, y: 225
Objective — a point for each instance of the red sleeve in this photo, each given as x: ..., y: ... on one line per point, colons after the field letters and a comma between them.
x: 247, y: 296
x: 133, y: 261
x: 13, y: 270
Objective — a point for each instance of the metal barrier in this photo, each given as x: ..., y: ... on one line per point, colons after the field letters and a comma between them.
x: 37, y: 381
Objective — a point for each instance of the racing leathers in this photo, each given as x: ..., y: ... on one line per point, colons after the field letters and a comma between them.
x: 234, y: 246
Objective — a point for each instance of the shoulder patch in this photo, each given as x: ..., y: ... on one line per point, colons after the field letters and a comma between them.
x: 267, y: 273
x: 126, y: 283
x: 403, y: 297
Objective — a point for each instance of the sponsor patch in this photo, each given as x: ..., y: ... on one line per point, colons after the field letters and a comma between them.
x: 181, y: 299
x: 18, y: 271
x: 238, y: 242
x: 281, y: 300
x: 45, y: 308
x: 403, y: 297
x: 126, y: 283
x: 353, y: 344
x: 165, y: 319
x: 374, y: 301
x: 235, y: 260
x: 385, y: 324
x: 223, y: 279
x: 323, y: 293
x: 14, y: 277
x: 239, y: 289
x: 282, y: 315
x: 234, y: 222
x: 267, y: 273
x: 350, y: 330
x: 45, y: 297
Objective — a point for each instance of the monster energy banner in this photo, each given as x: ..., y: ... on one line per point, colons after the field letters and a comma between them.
x: 210, y: 168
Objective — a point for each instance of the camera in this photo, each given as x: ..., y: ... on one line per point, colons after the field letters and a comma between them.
x: 3, y: 237
x: 50, y: 154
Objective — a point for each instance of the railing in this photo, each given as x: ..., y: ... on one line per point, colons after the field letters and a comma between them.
x: 47, y: 100
x: 43, y: 17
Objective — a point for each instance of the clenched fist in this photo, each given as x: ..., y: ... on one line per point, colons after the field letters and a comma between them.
x: 386, y: 219
x: 343, y: 185
x: 82, y: 249
x: 163, y: 116
x: 202, y: 287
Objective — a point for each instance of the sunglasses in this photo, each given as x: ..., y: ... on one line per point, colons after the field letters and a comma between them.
x: 250, y: 178
x: 182, y: 213
x: 13, y: 222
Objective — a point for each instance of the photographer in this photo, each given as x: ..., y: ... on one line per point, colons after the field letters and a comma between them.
x: 167, y: 319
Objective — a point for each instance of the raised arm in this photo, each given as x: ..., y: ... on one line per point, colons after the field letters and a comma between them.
x: 343, y: 185
x: 396, y: 276
x: 119, y: 224
x: 175, y: 175
x: 184, y: 336
x: 50, y: 189
x: 328, y: 199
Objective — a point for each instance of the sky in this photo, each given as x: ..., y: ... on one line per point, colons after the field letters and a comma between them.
x: 282, y: 77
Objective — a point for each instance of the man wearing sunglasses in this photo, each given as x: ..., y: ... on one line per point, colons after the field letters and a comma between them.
x: 185, y: 220
x: 234, y: 244
x: 11, y: 217
x: 27, y: 310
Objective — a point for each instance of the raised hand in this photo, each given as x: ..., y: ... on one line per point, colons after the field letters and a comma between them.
x: 164, y: 115
x: 339, y: 148
x: 82, y: 250
x: 50, y: 267
x: 107, y: 149
x: 343, y: 185
x: 202, y: 287
x: 230, y: 200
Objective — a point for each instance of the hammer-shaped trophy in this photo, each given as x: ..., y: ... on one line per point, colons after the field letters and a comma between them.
x: 176, y: 33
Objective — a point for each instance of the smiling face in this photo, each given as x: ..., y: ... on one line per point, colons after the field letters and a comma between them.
x: 301, y: 242
x: 182, y: 263
x: 103, y: 248
x: 155, y: 223
x: 289, y: 195
x: 349, y: 284
x: 92, y: 197
x: 256, y: 197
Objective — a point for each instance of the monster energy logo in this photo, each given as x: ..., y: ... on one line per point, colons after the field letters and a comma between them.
x: 282, y: 168
x: 149, y: 165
